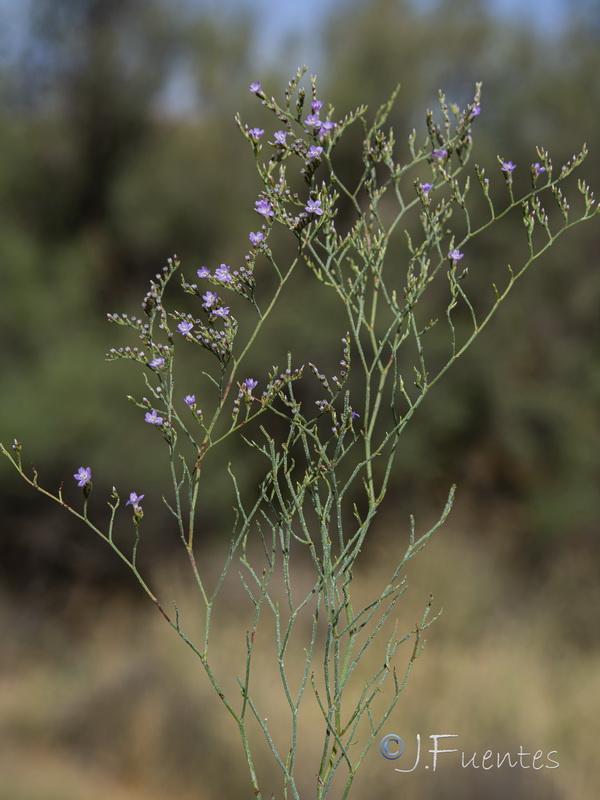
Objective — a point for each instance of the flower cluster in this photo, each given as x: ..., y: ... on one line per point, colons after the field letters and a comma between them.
x: 133, y: 353
x: 320, y: 127
x: 276, y: 385
x: 269, y: 204
x: 239, y: 280
x: 345, y: 365
x: 216, y: 341
x: 339, y: 425
x: 245, y: 391
x: 152, y: 302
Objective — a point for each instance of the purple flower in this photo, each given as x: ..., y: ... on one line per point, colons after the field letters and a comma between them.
x: 135, y: 500
x: 250, y: 384
x: 256, y: 238
x: 314, y: 207
x: 312, y: 120
x: 314, y: 151
x: 210, y: 298
x: 189, y: 399
x: 426, y: 187
x: 455, y: 255
x: 222, y: 274
x: 264, y: 207
x: 256, y: 133
x: 83, y: 476
x: 507, y: 166
x: 316, y: 106
x: 354, y: 414
x: 185, y: 327
x: 537, y: 168
x: 441, y: 152
x: 255, y: 87
x: 326, y: 127
x: 157, y: 362
x: 203, y: 272
x: 223, y: 311
x: 280, y: 136
x: 153, y: 418
x: 476, y: 110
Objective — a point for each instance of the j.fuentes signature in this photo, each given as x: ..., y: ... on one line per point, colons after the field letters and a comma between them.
x: 392, y: 747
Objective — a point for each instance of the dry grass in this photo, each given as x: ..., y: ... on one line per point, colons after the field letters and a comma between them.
x: 122, y: 710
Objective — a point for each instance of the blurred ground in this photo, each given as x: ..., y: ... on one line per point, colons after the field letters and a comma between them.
x: 105, y: 700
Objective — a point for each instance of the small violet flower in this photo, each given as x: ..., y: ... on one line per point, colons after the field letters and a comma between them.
x: 326, y: 127
x: 280, y: 136
x: 249, y: 384
x: 314, y: 151
x: 537, y: 168
x: 476, y: 110
x: 455, y: 255
x: 223, y: 311
x: 203, y: 272
x: 255, y: 87
x: 189, y: 400
x: 264, y: 207
x: 316, y: 106
x: 255, y: 133
x: 157, y: 363
x: 135, y: 500
x: 83, y: 476
x: 222, y: 274
x: 210, y: 298
x: 185, y: 327
x: 313, y: 120
x: 314, y: 207
x: 507, y: 166
x: 440, y: 152
x: 153, y: 418
x: 256, y: 238
x: 426, y: 187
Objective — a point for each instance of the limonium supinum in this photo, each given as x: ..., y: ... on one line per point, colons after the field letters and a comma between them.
x: 390, y: 245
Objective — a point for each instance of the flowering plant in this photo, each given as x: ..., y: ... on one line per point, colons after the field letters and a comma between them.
x: 328, y: 463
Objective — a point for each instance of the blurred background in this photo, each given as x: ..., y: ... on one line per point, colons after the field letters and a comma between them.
x: 117, y: 149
